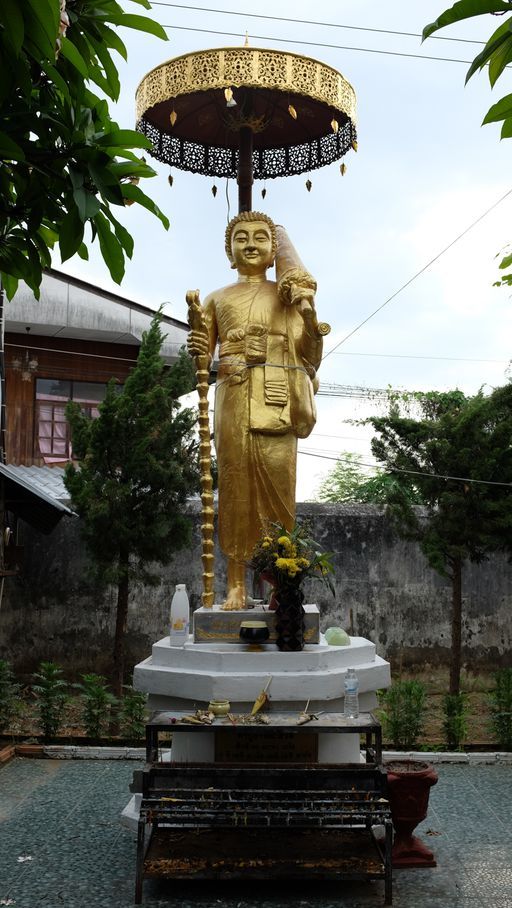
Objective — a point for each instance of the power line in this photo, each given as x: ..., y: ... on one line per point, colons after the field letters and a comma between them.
x: 418, y: 273
x: 273, y: 38
x: 454, y: 359
x: 359, y: 28
x: 465, y: 479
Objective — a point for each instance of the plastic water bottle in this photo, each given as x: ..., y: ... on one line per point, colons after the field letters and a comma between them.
x: 351, y: 706
x: 180, y: 616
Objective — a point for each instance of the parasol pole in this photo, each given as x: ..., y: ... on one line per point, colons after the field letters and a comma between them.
x: 245, y: 169
x: 202, y: 365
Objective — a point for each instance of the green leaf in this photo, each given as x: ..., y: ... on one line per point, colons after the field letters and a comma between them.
x: 88, y: 204
x: 141, y: 24
x: 9, y: 283
x: 136, y: 195
x: 121, y: 232
x: 506, y: 129
x: 71, y: 234
x: 9, y: 150
x: 54, y: 76
x: 106, y: 182
x: 44, y: 31
x: 465, y: 9
x: 111, y: 39
x: 506, y: 262
x: 499, y: 111
x: 13, y: 25
x: 123, y: 169
x: 110, y: 70
x: 499, y: 60
x: 120, y: 138
x: 44, y: 252
x: 83, y: 252
x: 69, y: 51
x: 111, y: 249
x: 495, y: 41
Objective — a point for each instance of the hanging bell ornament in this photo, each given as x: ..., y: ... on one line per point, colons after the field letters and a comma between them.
x: 308, y: 185
x: 214, y: 190
x: 292, y: 111
x: 335, y: 125
x: 354, y: 145
x: 173, y: 116
x: 263, y: 193
x: 343, y: 169
x: 228, y: 94
x: 170, y: 179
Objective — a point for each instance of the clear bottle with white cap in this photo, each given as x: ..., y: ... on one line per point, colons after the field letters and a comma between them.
x: 351, y: 703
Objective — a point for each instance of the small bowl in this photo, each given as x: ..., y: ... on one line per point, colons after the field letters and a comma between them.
x: 254, y: 632
x: 219, y: 707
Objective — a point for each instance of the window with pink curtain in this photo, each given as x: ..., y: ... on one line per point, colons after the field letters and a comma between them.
x: 52, y: 437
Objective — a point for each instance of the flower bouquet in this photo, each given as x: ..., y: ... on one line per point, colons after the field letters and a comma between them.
x: 285, y: 558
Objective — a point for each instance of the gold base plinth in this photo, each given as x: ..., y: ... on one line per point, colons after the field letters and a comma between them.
x: 216, y: 626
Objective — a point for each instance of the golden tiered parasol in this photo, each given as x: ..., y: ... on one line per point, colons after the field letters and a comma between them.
x: 248, y: 113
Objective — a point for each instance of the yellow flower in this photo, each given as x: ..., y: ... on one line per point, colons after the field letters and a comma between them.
x: 281, y: 563
x: 303, y: 562
x: 265, y: 545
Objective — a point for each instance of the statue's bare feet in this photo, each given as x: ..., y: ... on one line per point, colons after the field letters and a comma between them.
x: 235, y: 600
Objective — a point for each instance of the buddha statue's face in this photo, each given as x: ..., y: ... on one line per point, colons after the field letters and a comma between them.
x: 251, y: 247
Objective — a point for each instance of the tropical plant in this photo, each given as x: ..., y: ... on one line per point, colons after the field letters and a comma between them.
x: 501, y: 707
x: 348, y: 482
x: 97, y: 703
x: 136, y: 468
x: 286, y: 558
x: 495, y: 57
x: 403, y: 713
x: 9, y: 695
x: 64, y: 163
x: 458, y: 455
x: 133, y: 713
x: 455, y: 723
x: 51, y: 691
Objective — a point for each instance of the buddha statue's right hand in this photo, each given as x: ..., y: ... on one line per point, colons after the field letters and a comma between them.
x: 197, y: 343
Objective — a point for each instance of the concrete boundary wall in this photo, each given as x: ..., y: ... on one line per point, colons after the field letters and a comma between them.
x: 385, y: 591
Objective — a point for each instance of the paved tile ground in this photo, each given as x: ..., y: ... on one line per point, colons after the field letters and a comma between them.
x: 65, y: 816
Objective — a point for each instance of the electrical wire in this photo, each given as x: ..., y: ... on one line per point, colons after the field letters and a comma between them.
x: 451, y: 359
x: 273, y: 39
x: 359, y: 28
x: 418, y: 273
x: 465, y: 479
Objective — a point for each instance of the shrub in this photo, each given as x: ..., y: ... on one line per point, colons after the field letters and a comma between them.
x: 403, y: 713
x: 9, y: 695
x: 97, y: 703
x: 501, y: 707
x: 51, y: 693
x: 133, y: 714
x: 455, y: 725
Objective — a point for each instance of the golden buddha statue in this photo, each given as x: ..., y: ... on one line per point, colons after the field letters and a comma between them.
x: 270, y: 347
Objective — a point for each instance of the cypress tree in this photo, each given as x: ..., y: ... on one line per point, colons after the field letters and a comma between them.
x: 136, y: 466
x: 459, y: 457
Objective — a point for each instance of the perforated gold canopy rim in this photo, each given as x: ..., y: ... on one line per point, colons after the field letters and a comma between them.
x: 203, y: 134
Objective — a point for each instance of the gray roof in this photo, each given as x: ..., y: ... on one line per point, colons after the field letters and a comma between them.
x: 36, y: 494
x: 72, y: 308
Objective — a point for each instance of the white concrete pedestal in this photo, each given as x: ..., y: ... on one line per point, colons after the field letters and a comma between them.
x: 188, y: 677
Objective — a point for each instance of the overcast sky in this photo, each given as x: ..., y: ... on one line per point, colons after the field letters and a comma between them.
x: 425, y: 170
